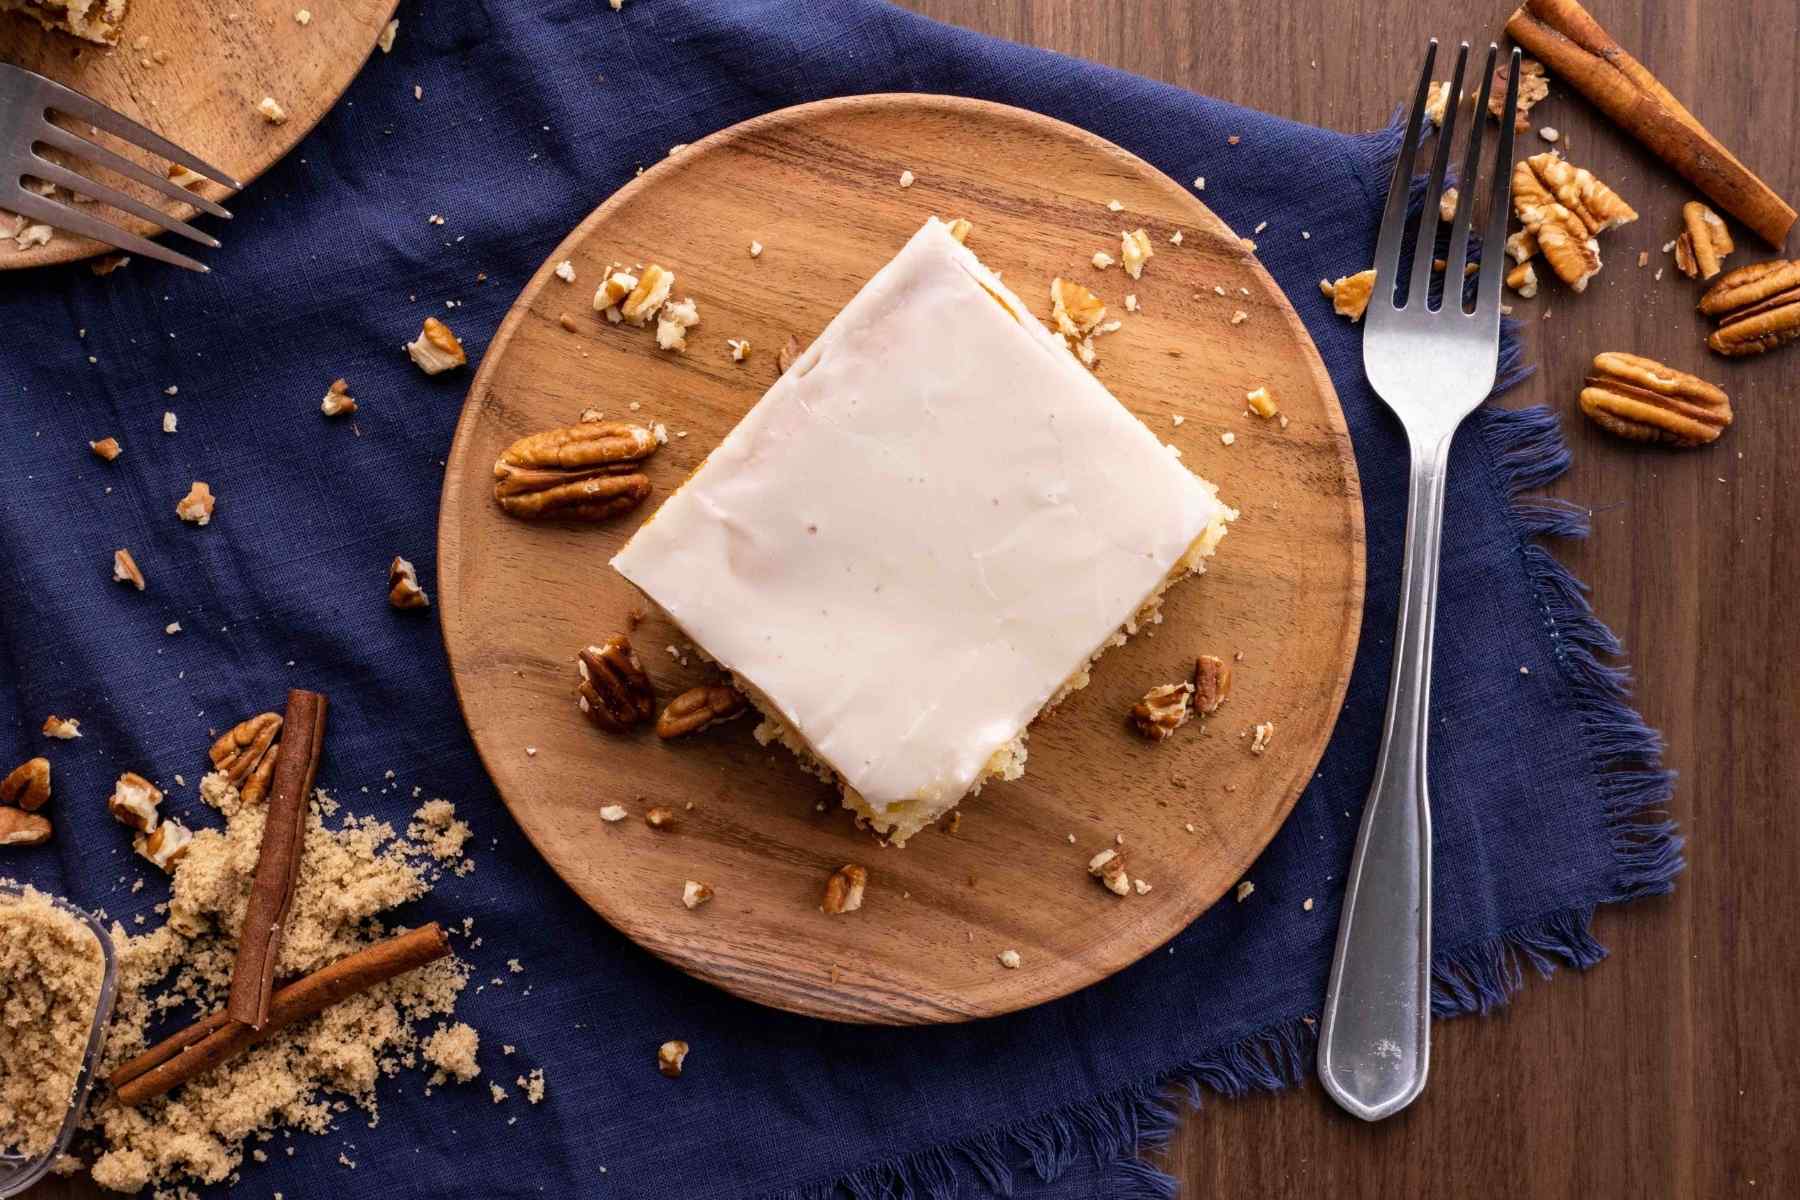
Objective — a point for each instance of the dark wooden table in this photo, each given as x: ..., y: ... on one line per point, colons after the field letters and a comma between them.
x: 1669, y: 1070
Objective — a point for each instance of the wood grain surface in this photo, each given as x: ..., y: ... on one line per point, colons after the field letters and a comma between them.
x: 218, y: 58
x: 518, y: 598
x: 1668, y: 1071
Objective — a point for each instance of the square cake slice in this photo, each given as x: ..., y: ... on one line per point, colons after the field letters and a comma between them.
x: 922, y: 536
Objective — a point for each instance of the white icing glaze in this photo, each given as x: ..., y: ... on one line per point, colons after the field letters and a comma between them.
x: 922, y: 529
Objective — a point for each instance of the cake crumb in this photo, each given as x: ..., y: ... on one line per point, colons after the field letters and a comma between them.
x: 1010, y: 959
x: 906, y: 179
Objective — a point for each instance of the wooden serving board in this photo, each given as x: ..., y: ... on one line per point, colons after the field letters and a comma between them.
x: 818, y: 186
x: 222, y: 56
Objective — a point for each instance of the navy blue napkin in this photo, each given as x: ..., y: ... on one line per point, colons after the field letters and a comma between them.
x: 531, y: 114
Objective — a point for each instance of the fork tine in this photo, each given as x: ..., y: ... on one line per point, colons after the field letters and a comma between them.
x: 67, y: 218
x: 55, y: 95
x: 1425, y: 248
x: 44, y: 169
x: 1393, y: 217
x: 1493, y: 256
x: 55, y: 135
x: 1458, y: 252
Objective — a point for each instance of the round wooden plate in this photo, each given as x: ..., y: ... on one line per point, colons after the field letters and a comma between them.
x: 818, y: 186
x: 221, y: 57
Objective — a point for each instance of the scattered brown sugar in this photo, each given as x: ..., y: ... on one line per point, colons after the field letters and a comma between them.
x: 351, y: 873
x: 451, y: 1049
x: 50, y: 971
x: 532, y: 1085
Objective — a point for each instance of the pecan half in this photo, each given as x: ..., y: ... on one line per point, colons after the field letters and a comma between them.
x: 1640, y: 399
x: 700, y: 708
x: 20, y: 828
x: 1575, y: 188
x: 27, y: 785
x: 613, y: 690
x: 584, y: 472
x: 1758, y: 308
x: 1212, y: 684
x: 844, y: 890
x: 239, y: 751
x: 1163, y: 710
x: 1703, y: 243
x: 256, y: 787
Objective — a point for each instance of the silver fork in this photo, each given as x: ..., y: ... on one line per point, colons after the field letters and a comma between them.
x: 1432, y: 367
x: 26, y: 101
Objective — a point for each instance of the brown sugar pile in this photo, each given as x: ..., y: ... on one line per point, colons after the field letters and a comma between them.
x: 351, y: 872
x: 50, y: 973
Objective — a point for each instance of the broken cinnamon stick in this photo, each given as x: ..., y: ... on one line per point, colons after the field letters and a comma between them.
x: 1568, y: 40
x: 278, y: 861
x: 215, y: 1038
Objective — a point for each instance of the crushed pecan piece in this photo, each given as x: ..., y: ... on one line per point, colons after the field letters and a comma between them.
x: 1521, y: 245
x: 648, y: 296
x: 1134, y: 251
x: 1349, y: 296
x: 1523, y: 280
x: 1436, y: 101
x: 27, y: 786
x: 165, y: 845
x: 670, y: 1056
x: 436, y: 349
x: 1108, y: 867
x: 133, y: 801
x: 1074, y: 309
x: 338, y: 399
x: 62, y: 727
x: 106, y: 448
x: 1640, y: 399
x: 1570, y: 248
x: 125, y: 569
x: 239, y: 751
x: 20, y: 828
x: 583, y: 472
x: 1704, y: 242
x: 700, y: 708
x: 660, y: 817
x: 1212, y: 684
x: 1758, y: 308
x: 844, y: 890
x: 1264, y: 734
x: 694, y: 893
x: 1163, y: 710
x: 613, y: 690
x: 197, y: 506
x: 1534, y: 86
x: 403, y: 585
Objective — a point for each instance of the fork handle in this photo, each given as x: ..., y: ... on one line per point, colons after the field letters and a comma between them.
x: 1375, y: 1036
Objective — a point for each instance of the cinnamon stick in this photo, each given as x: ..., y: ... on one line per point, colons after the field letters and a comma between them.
x: 278, y: 861
x: 1567, y: 39
x: 215, y: 1038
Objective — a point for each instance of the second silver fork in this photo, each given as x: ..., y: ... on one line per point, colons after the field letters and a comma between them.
x: 1432, y: 367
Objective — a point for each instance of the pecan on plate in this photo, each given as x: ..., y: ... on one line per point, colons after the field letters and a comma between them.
x: 700, y: 708
x: 239, y: 751
x: 1758, y: 308
x: 1640, y: 399
x: 613, y: 691
x: 1212, y: 684
x: 27, y: 785
x: 1704, y: 242
x: 844, y: 890
x: 1108, y: 867
x: 1163, y: 710
x: 1074, y: 308
x: 584, y: 472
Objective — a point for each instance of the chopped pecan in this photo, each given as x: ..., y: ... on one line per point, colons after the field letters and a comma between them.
x: 65, y: 728
x: 960, y: 229
x: 338, y: 399
x: 1108, y: 867
x: 613, y: 690
x: 1521, y: 245
x: 1075, y: 309
x: 659, y: 817
x: 106, y: 448
x: 648, y: 295
x: 436, y: 349
x: 1640, y: 399
x: 1212, y: 684
x: 694, y: 893
x: 844, y: 890
x: 1134, y: 251
x: 1534, y: 86
x: 125, y: 569
x: 1349, y: 295
x: 239, y: 751
x: 1436, y: 101
x: 1163, y: 710
x: 1523, y: 280
x: 134, y: 800
x: 1564, y: 238
x: 403, y: 585
x: 28, y: 785
x: 1704, y: 242
x: 1264, y: 734
x: 700, y: 708
x: 165, y: 845
x: 584, y: 472
x: 1758, y: 308
x: 20, y: 828
x: 670, y: 1056
x: 197, y: 506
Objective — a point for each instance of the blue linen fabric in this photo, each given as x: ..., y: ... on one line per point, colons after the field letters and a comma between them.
x: 531, y: 115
